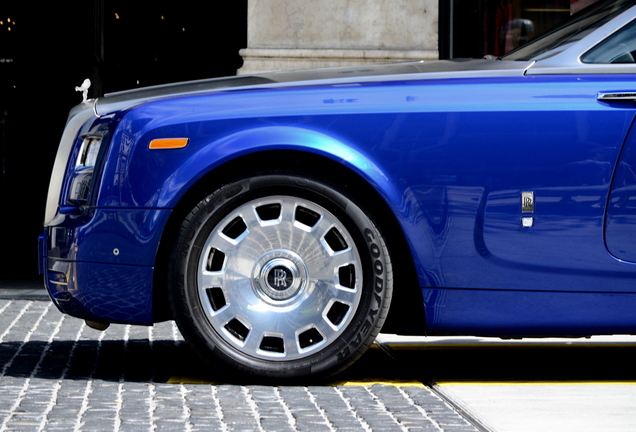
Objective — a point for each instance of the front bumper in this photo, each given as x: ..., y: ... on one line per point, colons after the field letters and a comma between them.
x: 98, y: 292
x: 100, y: 266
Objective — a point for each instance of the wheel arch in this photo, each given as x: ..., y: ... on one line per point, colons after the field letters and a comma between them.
x: 406, y: 315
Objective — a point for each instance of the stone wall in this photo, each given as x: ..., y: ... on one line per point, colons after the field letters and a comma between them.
x: 303, y: 34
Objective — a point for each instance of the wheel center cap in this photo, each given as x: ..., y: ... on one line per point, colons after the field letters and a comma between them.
x: 280, y: 279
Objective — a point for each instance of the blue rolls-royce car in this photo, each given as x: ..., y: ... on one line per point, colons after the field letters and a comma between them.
x: 282, y: 218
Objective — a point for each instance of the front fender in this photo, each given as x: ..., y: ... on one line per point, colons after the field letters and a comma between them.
x: 140, y: 177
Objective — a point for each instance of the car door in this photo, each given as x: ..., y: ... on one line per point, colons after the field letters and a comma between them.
x: 582, y: 203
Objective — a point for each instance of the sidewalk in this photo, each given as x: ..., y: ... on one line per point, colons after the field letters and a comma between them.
x: 23, y: 289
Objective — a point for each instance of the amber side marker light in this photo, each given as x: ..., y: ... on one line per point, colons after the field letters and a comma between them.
x: 168, y: 143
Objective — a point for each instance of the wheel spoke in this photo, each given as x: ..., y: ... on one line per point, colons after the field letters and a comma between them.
x: 344, y: 295
x: 250, y: 218
x: 240, y: 294
x: 321, y: 228
x: 343, y: 258
x: 223, y: 315
x: 323, y: 327
x: 326, y: 268
x: 211, y: 279
x: 221, y: 242
x: 251, y: 344
x: 288, y: 211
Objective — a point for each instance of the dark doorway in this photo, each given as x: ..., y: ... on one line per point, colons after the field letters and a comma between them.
x: 49, y: 48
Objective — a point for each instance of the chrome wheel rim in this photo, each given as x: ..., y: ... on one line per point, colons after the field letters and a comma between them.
x: 279, y: 278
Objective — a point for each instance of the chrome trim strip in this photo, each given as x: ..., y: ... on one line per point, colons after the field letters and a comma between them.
x: 77, y: 118
x: 95, y: 108
x: 616, y: 96
x: 528, y: 67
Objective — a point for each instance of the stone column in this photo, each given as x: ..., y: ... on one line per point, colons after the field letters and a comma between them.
x: 305, y: 34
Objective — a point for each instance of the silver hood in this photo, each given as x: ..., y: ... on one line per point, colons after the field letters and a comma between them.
x: 364, y: 73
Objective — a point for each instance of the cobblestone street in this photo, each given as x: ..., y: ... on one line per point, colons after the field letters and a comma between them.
x: 58, y: 374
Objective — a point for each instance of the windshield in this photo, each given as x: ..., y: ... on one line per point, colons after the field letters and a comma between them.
x: 574, y: 29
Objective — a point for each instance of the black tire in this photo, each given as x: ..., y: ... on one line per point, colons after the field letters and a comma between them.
x: 280, y: 276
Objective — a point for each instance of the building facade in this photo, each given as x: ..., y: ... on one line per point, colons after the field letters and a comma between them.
x: 303, y: 34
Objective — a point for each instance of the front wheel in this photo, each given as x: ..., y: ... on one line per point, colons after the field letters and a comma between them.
x: 280, y: 276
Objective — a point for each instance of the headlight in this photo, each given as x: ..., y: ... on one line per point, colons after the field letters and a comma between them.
x: 88, y: 153
x: 82, y: 172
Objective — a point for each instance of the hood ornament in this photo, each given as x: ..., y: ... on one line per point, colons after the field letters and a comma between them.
x: 84, y: 89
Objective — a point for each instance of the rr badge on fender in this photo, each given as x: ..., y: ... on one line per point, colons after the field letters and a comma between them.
x: 527, y: 202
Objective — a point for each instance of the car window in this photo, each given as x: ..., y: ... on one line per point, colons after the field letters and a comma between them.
x: 618, y: 48
x: 578, y: 26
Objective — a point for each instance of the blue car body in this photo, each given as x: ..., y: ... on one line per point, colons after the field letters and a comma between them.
x: 509, y: 181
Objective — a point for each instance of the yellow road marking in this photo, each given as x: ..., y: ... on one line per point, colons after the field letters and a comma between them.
x: 353, y: 383
x: 370, y: 382
x: 191, y: 380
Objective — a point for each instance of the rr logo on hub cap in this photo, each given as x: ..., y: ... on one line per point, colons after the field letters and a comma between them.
x: 279, y: 278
